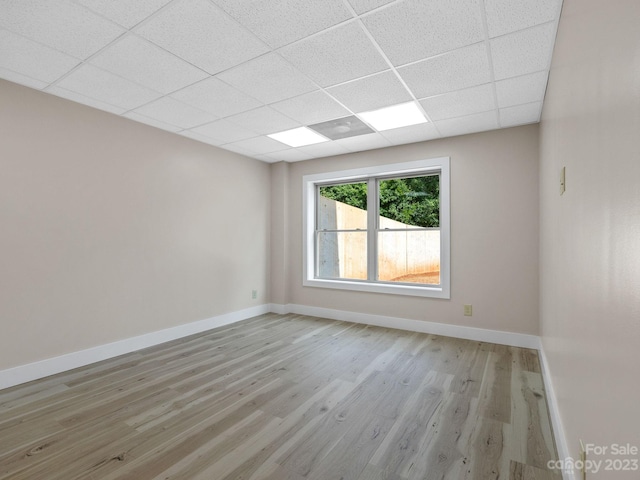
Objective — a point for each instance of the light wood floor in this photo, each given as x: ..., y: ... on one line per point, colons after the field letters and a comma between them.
x: 286, y: 398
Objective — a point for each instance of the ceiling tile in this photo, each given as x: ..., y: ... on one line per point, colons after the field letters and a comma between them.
x: 138, y: 60
x: 22, y: 79
x: 213, y: 95
x: 524, y: 89
x: 236, y: 149
x: 125, y: 12
x: 281, y: 23
x: 466, y: 67
x: 203, y: 35
x: 335, y: 56
x: 364, y: 142
x: 292, y: 155
x: 262, y: 145
x: 264, y: 158
x: 82, y: 99
x: 104, y: 86
x: 201, y: 138
x: 507, y: 16
x: 523, y: 52
x: 324, y: 149
x: 61, y: 25
x: 268, y: 78
x: 152, y: 122
x: 173, y: 112
x: 224, y: 131
x: 411, y: 134
x: 460, y: 103
x: 311, y: 108
x: 416, y: 29
x: 469, y: 124
x: 28, y: 58
x: 520, y: 114
x: 264, y: 120
x: 370, y: 93
x: 362, y: 6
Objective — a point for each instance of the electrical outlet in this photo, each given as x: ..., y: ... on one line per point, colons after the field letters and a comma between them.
x: 468, y: 310
x: 254, y: 294
x: 563, y: 183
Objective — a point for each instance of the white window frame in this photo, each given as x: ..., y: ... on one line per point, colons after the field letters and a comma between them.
x: 309, y: 199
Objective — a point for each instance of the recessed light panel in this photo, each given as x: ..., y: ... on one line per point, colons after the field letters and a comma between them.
x: 342, y: 128
x: 298, y: 137
x: 396, y: 116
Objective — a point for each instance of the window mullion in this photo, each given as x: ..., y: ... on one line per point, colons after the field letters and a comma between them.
x: 372, y: 226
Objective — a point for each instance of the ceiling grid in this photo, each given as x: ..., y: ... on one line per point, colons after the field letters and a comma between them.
x: 230, y: 73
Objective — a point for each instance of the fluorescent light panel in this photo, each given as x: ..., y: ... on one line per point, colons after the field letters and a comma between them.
x: 395, y: 116
x: 298, y: 137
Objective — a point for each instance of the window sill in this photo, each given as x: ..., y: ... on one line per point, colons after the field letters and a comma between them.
x: 417, y: 291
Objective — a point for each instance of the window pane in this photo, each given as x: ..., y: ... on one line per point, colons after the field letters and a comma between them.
x: 342, y: 207
x: 342, y: 255
x: 409, y: 257
x: 410, y: 202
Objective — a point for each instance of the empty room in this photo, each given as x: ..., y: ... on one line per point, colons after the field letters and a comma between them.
x: 319, y: 239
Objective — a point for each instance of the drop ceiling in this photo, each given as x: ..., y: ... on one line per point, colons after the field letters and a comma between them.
x: 231, y: 72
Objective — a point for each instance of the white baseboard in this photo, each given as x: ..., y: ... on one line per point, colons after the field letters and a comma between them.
x: 44, y: 368
x: 554, y: 412
x: 51, y: 366
x: 468, y: 333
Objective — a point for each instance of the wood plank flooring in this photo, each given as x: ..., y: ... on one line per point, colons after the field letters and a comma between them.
x: 286, y: 397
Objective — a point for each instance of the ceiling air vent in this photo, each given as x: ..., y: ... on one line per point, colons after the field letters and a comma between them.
x: 342, y: 128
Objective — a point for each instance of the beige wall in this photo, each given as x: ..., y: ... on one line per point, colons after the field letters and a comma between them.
x: 111, y: 229
x: 279, y: 258
x: 590, y: 236
x: 494, y: 216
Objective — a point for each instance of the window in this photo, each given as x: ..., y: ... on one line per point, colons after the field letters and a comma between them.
x: 380, y: 229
